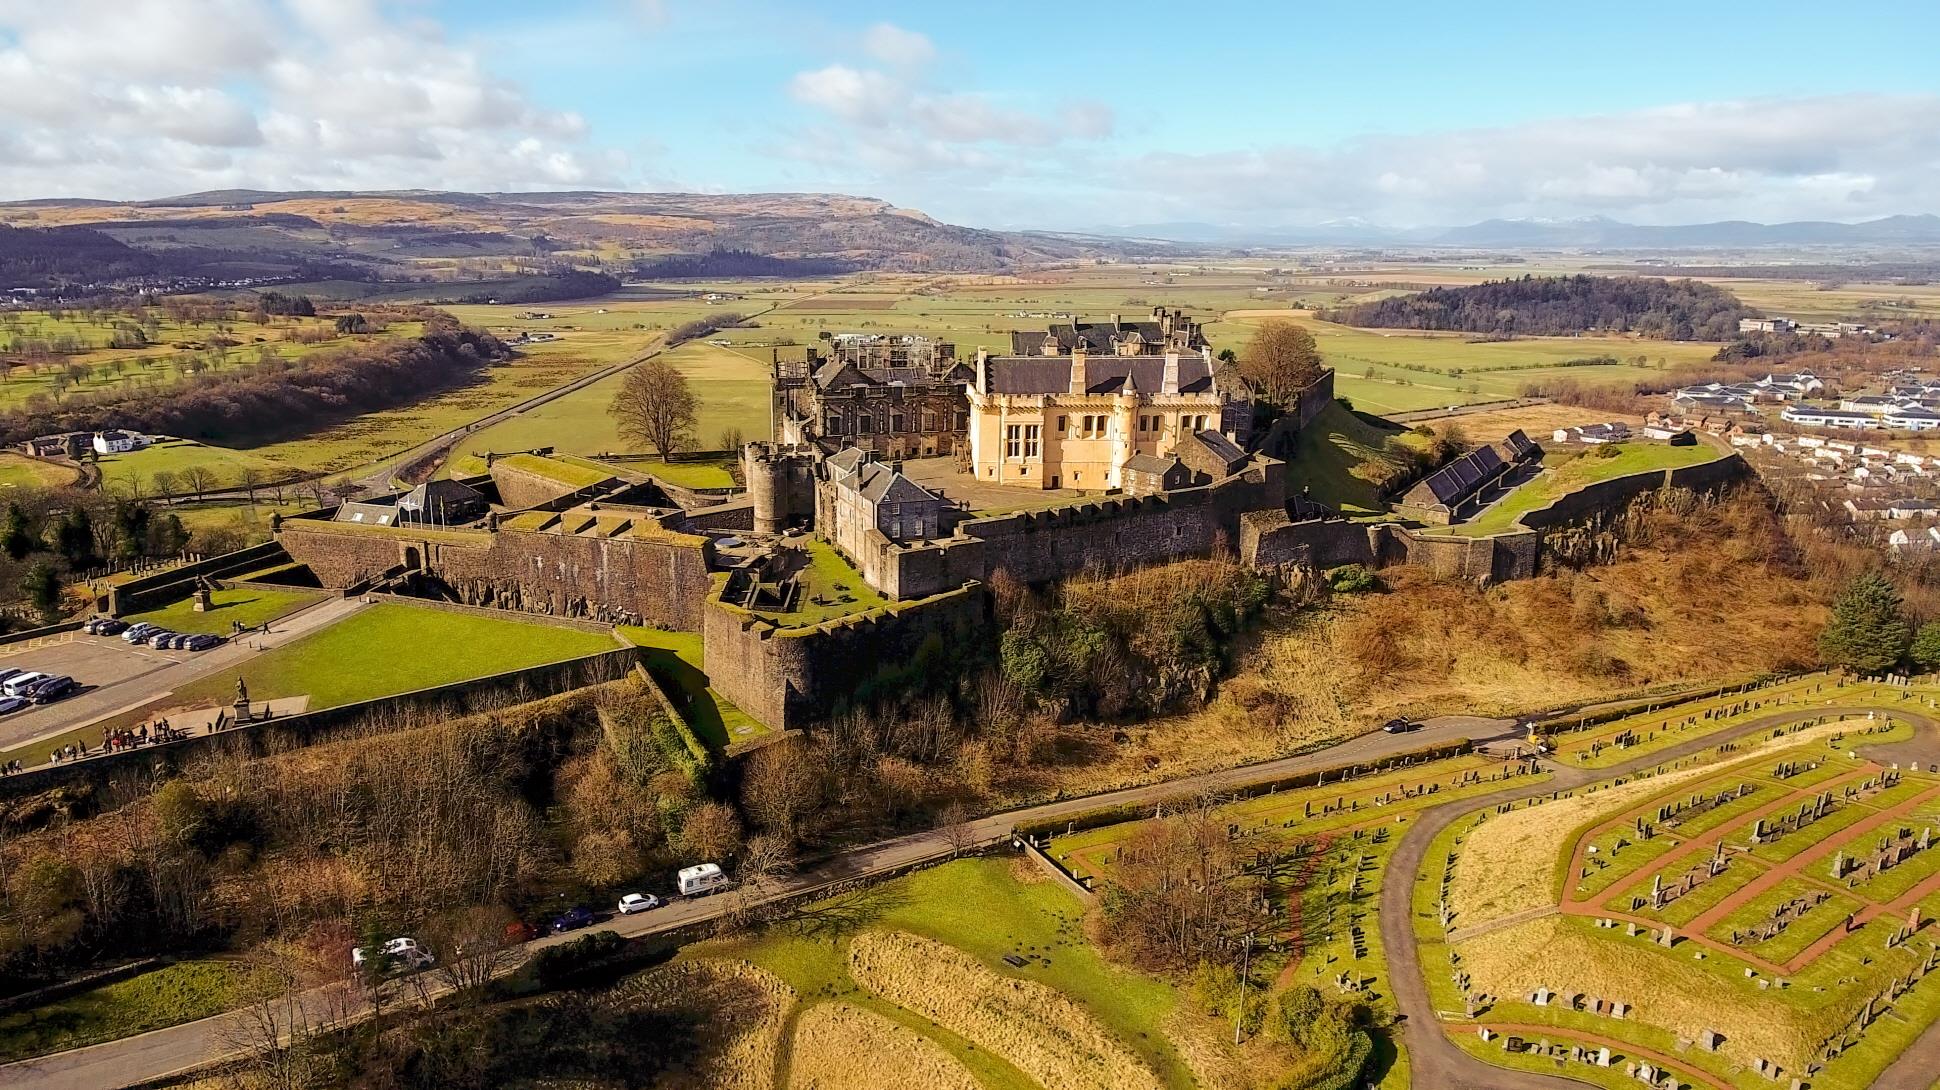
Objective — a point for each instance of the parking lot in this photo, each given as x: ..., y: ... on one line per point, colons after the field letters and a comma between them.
x: 99, y: 665
x: 115, y: 677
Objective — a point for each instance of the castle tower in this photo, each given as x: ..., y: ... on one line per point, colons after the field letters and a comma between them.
x: 765, y: 470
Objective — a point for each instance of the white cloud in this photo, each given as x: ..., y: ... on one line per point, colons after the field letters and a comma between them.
x: 109, y: 98
x: 892, y: 44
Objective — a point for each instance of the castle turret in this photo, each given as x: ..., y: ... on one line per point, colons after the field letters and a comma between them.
x: 767, y: 488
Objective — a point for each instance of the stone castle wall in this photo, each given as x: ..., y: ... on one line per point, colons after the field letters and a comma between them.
x: 1116, y: 532
x: 655, y: 582
x: 789, y: 677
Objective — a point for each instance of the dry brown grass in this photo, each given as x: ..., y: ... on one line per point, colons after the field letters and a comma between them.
x: 1538, y: 420
x: 1206, y: 1046
x: 1513, y: 862
x: 1667, y: 989
x: 1038, y: 1029
x: 739, y: 1011
x: 837, y: 1047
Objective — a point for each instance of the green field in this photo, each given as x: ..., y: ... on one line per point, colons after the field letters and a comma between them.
x: 20, y: 471
x: 1565, y: 473
x: 162, y: 997
x: 393, y: 648
x: 224, y: 466
x: 732, y: 387
x: 248, y: 606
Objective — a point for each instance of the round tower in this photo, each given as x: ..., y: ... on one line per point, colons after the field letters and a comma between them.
x: 764, y: 470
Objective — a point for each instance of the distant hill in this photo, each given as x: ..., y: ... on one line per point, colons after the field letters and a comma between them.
x: 1598, y: 232
x: 1677, y: 310
x: 405, y: 235
x: 36, y: 259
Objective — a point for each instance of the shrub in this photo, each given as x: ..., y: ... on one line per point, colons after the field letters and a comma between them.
x: 1352, y: 579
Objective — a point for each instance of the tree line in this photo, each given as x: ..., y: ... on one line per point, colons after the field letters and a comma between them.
x: 1673, y: 310
x: 275, y: 395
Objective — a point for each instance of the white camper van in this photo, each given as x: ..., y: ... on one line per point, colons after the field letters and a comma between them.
x: 701, y: 879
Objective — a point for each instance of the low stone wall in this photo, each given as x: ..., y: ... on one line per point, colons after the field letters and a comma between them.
x: 789, y: 677
x: 152, y: 591
x: 399, y: 712
x: 42, y: 632
x: 1268, y: 539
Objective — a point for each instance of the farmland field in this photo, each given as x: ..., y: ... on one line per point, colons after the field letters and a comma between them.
x: 20, y: 471
x: 136, y: 469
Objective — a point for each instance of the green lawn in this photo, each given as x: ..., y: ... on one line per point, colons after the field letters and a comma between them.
x: 830, y: 588
x: 393, y: 648
x: 168, y: 996
x: 249, y: 605
x: 1564, y: 474
x: 710, y: 474
x: 976, y: 906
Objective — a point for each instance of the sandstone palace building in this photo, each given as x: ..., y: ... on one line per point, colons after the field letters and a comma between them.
x: 1100, y: 405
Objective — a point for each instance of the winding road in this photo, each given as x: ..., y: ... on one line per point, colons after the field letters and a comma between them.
x: 1436, y: 1061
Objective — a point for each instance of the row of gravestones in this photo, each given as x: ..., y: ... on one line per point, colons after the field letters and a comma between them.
x: 1768, y: 832
x: 1782, y: 918
x: 1675, y: 814
x: 1887, y: 854
x: 1877, y: 1005
x: 1631, y: 928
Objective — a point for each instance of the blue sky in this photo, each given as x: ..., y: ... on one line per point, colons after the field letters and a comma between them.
x: 1001, y: 114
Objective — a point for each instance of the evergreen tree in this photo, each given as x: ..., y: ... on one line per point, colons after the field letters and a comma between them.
x: 42, y: 588
x: 14, y: 537
x: 1925, y: 652
x: 1867, y: 633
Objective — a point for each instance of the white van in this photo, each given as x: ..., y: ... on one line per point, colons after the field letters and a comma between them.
x: 701, y: 879
x: 18, y: 684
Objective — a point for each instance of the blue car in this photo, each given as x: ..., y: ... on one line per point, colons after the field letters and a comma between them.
x: 572, y: 920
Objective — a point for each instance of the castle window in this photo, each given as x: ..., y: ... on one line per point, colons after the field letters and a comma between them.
x: 1021, y: 440
x: 896, y: 422
x: 1063, y: 424
x: 865, y: 425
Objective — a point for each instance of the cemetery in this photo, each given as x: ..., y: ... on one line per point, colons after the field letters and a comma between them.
x: 1758, y: 914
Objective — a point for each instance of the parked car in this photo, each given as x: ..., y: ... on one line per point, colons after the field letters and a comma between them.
x: 178, y: 641
x: 54, y: 688
x: 403, y: 954
x: 9, y: 674
x: 22, y: 684
x: 201, y: 641
x: 111, y: 626
x: 638, y: 902
x: 519, y: 931
x: 572, y: 920
x: 159, y: 638
x: 700, y: 879
x: 1400, y: 726
x: 135, y: 633
x: 10, y: 704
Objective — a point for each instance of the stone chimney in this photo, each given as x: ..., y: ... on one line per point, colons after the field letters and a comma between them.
x: 1171, y: 383
x: 1115, y: 323
x: 983, y: 370
x: 1079, y: 382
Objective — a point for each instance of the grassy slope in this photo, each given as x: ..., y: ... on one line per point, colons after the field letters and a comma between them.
x: 20, y: 471
x: 251, y: 606
x: 977, y: 906
x: 1573, y: 473
x: 1330, y: 450
x: 138, y: 467
x: 675, y: 658
x: 177, y: 993
x: 393, y: 648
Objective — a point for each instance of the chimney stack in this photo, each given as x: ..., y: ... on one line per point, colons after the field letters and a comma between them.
x: 1171, y: 383
x: 1079, y: 382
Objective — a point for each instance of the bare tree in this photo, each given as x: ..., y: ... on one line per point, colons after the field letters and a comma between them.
x: 954, y: 823
x: 249, y: 479
x: 196, y: 476
x: 732, y: 439
x: 1279, y: 361
x: 656, y: 406
x: 471, y: 946
x: 165, y: 483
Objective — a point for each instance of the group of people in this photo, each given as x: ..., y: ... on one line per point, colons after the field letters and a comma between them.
x: 10, y: 768
x: 116, y: 740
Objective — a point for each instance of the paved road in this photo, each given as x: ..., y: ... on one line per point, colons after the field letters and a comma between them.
x: 188, y: 1046
x: 1434, y: 1059
x: 169, y: 672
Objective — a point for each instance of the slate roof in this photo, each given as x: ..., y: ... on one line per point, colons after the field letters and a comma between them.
x: 878, y: 483
x: 443, y: 495
x: 1151, y: 463
x: 1458, y: 480
x: 847, y: 459
x: 1221, y: 447
x: 1103, y: 374
x: 1520, y: 445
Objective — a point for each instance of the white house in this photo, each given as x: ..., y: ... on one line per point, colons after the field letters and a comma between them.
x: 118, y: 442
x: 1811, y: 417
x: 1912, y: 419
x: 1928, y: 538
